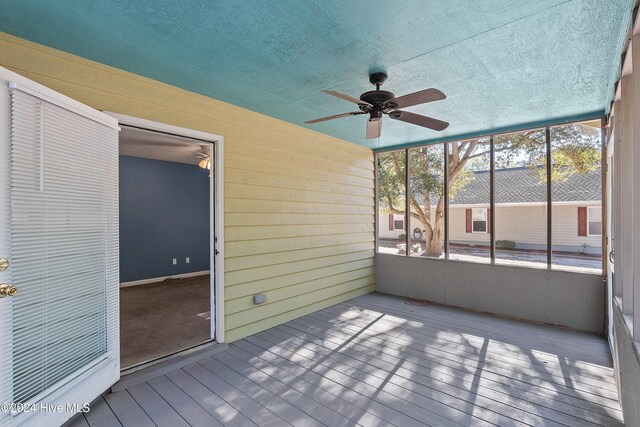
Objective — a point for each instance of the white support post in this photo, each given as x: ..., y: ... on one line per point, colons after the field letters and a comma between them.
x: 635, y: 232
x: 616, y: 206
x: 626, y: 212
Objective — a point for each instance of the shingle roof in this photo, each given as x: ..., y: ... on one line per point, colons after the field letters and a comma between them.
x: 522, y: 185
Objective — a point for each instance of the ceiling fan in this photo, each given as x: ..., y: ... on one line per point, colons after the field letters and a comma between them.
x: 378, y: 102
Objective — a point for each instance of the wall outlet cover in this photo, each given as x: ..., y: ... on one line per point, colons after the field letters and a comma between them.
x: 259, y: 298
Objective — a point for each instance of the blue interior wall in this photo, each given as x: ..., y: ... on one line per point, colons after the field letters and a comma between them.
x: 164, y: 214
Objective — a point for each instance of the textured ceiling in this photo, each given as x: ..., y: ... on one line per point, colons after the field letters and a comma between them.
x: 501, y: 63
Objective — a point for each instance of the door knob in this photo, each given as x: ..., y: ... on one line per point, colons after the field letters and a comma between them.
x: 7, y: 290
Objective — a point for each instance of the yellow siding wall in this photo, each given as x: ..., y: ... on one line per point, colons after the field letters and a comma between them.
x: 298, y: 204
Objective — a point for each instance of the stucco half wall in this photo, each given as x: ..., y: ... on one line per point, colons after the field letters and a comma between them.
x: 573, y: 300
x: 299, y: 205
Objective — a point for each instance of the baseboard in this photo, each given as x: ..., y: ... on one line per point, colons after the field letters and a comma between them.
x: 160, y: 279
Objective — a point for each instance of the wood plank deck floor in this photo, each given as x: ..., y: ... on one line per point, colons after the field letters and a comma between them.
x: 375, y: 361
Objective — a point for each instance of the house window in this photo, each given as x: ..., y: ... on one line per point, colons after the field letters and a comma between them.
x: 479, y: 218
x: 398, y: 223
x: 594, y: 220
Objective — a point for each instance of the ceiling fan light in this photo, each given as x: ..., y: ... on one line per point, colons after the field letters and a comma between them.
x: 205, y: 163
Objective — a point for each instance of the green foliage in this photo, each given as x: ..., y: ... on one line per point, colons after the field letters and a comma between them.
x: 391, y: 180
x: 575, y: 149
x: 505, y: 244
x: 427, y: 169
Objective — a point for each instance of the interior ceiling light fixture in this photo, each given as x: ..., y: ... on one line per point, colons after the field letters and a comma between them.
x: 377, y: 102
x: 205, y: 163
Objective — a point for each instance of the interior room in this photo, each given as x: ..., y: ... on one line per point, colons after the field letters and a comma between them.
x: 336, y: 213
x: 165, y: 278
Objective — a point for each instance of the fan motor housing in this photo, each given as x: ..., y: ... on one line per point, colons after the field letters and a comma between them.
x: 377, y: 97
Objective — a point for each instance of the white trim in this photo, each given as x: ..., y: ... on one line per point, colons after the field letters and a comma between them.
x: 6, y: 306
x: 217, y: 214
x: 218, y: 264
x: 62, y: 101
x: 610, y: 228
x: 163, y: 278
x: 163, y: 127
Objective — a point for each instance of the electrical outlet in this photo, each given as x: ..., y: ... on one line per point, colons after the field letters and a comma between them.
x: 187, y: 260
x: 175, y: 261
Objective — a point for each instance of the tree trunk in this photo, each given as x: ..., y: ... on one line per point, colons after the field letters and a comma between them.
x: 434, y: 244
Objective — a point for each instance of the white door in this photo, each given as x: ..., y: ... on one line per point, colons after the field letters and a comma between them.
x: 59, y: 234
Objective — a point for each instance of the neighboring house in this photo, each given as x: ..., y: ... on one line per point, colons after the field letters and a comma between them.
x: 520, y: 212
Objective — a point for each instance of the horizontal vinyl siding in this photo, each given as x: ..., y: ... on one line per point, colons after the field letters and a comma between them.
x: 527, y: 224
x: 308, y: 241
x: 524, y: 224
x: 458, y: 229
x: 299, y: 217
x: 565, y: 228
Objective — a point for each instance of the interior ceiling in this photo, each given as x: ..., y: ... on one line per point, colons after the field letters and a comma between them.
x: 501, y: 63
x: 148, y: 144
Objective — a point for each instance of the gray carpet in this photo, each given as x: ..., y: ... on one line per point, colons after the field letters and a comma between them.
x: 161, y: 318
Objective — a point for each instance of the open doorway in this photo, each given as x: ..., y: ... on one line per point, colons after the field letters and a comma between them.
x: 167, y: 267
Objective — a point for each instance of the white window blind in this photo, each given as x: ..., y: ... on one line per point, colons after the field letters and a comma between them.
x: 594, y: 220
x: 479, y: 217
x: 64, y: 243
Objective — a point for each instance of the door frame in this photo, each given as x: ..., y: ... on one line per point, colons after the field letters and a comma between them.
x: 608, y: 248
x: 216, y: 215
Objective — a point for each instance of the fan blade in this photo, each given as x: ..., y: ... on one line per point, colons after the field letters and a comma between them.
x: 346, y: 97
x: 337, y: 116
x: 417, y: 119
x: 374, y: 126
x: 421, y: 97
